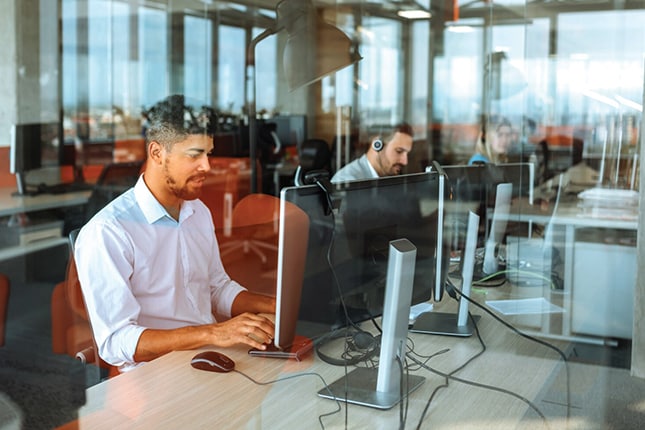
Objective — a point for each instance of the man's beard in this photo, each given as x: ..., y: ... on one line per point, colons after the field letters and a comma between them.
x: 184, y: 193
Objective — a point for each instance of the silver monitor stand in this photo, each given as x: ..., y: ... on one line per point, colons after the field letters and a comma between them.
x: 458, y: 324
x: 381, y: 388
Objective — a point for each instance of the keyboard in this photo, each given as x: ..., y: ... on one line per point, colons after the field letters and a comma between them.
x: 62, y: 188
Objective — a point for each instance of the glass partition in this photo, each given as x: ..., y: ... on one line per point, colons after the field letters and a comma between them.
x: 567, y: 75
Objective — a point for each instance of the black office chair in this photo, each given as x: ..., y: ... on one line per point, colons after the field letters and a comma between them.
x: 115, y: 178
x: 314, y: 155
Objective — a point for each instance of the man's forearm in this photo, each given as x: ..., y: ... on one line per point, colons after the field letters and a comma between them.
x: 254, y: 303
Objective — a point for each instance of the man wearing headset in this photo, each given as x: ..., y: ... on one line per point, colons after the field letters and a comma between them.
x: 386, y: 156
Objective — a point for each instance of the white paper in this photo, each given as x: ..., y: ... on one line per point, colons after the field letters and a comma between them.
x: 538, y: 305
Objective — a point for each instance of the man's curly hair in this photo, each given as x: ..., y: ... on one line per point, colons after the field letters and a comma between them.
x: 172, y: 120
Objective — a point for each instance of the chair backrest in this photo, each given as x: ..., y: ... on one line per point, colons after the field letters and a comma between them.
x: 76, y: 302
x: 220, y: 191
x: 256, y: 209
x: 4, y: 302
x: 72, y: 284
x: 313, y: 154
x: 113, y: 181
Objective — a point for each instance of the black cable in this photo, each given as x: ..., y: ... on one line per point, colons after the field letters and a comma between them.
x: 348, y: 320
x: 298, y: 375
x: 480, y: 385
x: 458, y: 369
x: 526, y: 336
x: 403, y: 409
x: 426, y: 357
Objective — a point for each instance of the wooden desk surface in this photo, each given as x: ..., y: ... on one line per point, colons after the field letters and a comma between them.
x: 168, y: 393
x: 10, y: 204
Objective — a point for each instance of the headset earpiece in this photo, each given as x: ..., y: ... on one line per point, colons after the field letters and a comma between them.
x: 377, y: 145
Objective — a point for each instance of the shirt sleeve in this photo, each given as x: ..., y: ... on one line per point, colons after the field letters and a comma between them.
x: 103, y: 257
x: 224, y: 290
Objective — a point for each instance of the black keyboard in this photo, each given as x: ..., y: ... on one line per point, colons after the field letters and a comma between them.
x: 63, y: 188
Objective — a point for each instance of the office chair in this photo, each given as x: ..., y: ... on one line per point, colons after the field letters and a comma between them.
x: 313, y: 155
x: 221, y: 189
x: 551, y: 161
x: 115, y: 178
x: 348, y: 145
x: 4, y: 303
x: 254, y: 226
x: 71, y: 330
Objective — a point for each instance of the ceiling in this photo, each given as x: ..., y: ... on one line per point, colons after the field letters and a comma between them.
x: 388, y: 8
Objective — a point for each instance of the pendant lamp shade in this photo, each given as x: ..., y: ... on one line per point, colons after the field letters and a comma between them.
x: 314, y: 48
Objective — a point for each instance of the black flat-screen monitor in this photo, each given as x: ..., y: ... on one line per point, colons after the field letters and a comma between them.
x: 34, y: 146
x: 475, y: 188
x: 345, y: 259
x: 291, y: 129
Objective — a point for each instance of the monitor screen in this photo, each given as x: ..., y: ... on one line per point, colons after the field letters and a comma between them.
x: 346, y: 255
x: 473, y: 188
x: 34, y: 146
x: 477, y: 188
x: 291, y: 129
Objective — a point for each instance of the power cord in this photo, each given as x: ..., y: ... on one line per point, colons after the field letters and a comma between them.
x: 451, y: 374
x: 453, y: 291
x: 294, y: 376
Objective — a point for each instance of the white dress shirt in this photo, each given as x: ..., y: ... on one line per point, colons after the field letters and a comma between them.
x: 139, y: 268
x: 360, y: 168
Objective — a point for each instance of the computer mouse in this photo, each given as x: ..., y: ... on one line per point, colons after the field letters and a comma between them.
x: 212, y: 361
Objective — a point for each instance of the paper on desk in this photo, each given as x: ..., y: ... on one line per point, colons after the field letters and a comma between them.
x: 538, y: 305
x: 418, y: 309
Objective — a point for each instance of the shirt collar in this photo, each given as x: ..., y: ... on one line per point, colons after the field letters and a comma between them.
x: 152, y: 209
x: 374, y: 174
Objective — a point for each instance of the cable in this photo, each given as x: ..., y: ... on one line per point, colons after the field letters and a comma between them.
x: 298, y: 375
x: 458, y: 369
x: 326, y: 190
x: 450, y: 285
x: 481, y: 282
x: 485, y: 386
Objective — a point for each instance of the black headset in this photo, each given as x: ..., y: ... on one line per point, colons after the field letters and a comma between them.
x: 362, y: 343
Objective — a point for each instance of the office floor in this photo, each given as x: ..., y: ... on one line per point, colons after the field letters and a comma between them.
x: 49, y: 388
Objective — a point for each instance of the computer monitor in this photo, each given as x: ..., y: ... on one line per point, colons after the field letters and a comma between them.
x: 346, y: 253
x: 337, y: 273
x: 291, y: 129
x: 34, y: 146
x: 475, y: 188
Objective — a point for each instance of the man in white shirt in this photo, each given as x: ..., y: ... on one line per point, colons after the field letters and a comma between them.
x: 386, y: 156
x: 149, y: 263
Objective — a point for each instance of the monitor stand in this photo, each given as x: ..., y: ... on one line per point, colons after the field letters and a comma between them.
x: 21, y: 186
x: 450, y: 324
x: 384, y: 387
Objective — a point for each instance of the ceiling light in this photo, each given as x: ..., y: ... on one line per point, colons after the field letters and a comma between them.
x: 414, y: 14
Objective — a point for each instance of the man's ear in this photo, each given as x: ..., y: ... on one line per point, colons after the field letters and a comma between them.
x: 155, y: 152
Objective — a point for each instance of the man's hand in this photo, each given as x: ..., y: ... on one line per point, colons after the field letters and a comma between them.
x: 250, y: 329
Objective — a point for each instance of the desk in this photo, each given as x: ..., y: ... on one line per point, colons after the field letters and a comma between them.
x: 573, y: 220
x: 168, y: 393
x: 11, y: 205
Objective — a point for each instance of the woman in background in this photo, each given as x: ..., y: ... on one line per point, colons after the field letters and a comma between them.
x: 494, y: 141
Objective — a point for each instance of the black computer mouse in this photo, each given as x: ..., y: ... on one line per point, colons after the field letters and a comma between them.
x: 212, y: 361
